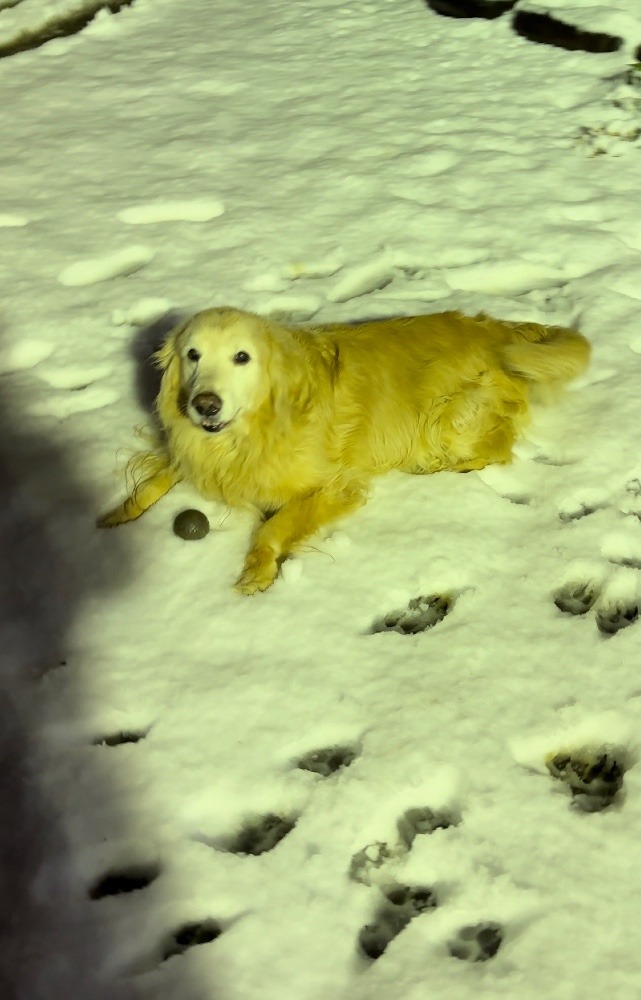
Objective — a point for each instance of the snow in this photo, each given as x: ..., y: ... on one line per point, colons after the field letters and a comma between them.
x: 115, y: 265
x: 320, y: 161
x: 172, y: 211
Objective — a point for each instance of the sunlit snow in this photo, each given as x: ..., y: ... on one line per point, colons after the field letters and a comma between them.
x: 212, y: 797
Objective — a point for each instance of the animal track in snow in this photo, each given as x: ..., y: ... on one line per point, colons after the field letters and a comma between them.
x: 123, y: 880
x: 175, y: 943
x: 196, y: 210
x: 477, y: 942
x: 116, y: 265
x: 423, y: 821
x: 328, y: 760
x: 421, y: 614
x: 189, y: 935
x: 120, y: 738
x: 617, y: 612
x: 399, y: 903
x: 262, y: 834
x: 365, y: 866
x: 594, y: 776
x: 614, y: 598
x: 583, y: 503
x: 614, y: 595
x: 576, y: 597
x: 589, y: 761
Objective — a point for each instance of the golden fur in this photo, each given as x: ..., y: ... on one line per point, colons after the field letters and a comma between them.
x: 302, y: 426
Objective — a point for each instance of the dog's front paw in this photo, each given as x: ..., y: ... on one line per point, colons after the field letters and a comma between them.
x: 259, y: 572
x: 122, y: 514
x: 111, y: 519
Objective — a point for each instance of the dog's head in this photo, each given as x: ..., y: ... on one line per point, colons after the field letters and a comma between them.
x: 216, y: 365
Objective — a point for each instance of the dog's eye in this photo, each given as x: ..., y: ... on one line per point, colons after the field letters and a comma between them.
x: 193, y: 354
x: 241, y: 358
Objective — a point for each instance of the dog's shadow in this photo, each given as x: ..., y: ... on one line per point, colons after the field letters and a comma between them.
x: 146, y: 341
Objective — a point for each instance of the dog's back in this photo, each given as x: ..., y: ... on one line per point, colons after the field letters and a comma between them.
x: 443, y: 391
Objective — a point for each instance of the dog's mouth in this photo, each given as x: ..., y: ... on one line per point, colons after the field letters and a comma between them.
x: 212, y: 426
x: 209, y: 422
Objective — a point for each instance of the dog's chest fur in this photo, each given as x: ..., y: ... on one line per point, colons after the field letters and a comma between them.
x: 245, y: 469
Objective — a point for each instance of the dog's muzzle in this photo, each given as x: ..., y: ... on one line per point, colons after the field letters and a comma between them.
x: 208, y: 405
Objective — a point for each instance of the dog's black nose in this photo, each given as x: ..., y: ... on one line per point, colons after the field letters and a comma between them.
x: 208, y: 404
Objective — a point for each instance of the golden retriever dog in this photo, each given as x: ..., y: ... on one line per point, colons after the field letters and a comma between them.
x: 294, y: 422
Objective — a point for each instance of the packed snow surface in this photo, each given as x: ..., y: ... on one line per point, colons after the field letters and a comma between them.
x: 410, y: 769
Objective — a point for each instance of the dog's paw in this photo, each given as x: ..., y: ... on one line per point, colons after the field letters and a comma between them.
x: 247, y: 584
x: 259, y: 572
x: 113, y: 518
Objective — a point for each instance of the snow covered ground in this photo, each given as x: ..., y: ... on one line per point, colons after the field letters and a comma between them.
x: 322, y: 161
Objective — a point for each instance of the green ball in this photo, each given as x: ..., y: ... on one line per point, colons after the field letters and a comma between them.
x: 191, y: 525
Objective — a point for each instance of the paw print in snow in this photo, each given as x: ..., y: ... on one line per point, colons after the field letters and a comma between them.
x: 262, y: 834
x: 595, y: 777
x: 610, y: 586
x: 129, y: 878
x: 477, y: 943
x: 615, y: 600
x: 399, y: 903
x: 421, y: 614
x: 328, y: 760
x: 190, y: 935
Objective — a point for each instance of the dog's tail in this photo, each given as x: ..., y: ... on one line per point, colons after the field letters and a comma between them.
x: 546, y: 355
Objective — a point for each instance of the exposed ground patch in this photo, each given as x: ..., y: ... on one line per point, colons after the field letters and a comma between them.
x: 60, y: 25
x: 533, y: 25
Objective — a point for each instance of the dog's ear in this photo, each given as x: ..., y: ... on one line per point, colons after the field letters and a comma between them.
x: 163, y: 357
x: 291, y: 375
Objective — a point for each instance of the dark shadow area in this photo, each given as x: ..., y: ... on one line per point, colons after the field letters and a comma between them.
x: 45, y: 574
x: 61, y: 26
x: 54, y: 942
x: 147, y: 341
